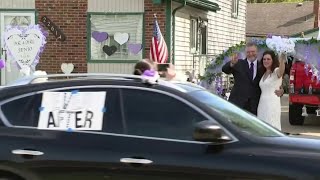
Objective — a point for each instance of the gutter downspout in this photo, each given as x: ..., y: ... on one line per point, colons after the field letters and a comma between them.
x: 174, y: 29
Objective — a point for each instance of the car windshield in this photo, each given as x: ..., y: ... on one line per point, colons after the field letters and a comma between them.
x: 243, y: 120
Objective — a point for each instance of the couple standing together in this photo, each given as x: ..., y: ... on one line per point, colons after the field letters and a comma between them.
x: 257, y: 84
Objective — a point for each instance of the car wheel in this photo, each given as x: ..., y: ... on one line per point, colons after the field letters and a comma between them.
x: 295, y: 112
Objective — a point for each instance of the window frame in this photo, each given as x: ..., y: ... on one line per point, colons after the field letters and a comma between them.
x: 205, y: 22
x: 198, y: 36
x: 193, y: 37
x: 234, y: 8
x: 89, y: 60
x: 7, y: 123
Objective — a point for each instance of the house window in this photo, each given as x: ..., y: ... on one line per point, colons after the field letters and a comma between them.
x: 193, y: 35
x: 127, y: 45
x: 203, y: 28
x: 235, y: 8
x: 198, y: 36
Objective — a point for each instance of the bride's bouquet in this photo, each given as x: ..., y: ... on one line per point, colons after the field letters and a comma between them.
x: 281, y: 45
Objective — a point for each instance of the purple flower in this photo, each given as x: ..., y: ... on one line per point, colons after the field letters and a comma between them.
x: 149, y: 73
x: 2, y: 63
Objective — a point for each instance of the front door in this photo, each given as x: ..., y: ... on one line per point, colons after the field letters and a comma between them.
x: 22, y: 19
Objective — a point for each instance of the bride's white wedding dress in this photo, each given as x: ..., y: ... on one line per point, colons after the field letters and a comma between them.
x: 269, y: 108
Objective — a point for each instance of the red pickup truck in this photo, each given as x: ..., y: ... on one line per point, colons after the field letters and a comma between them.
x: 304, y: 93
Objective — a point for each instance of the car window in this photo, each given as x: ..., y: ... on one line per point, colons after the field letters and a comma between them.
x: 153, y: 114
x: 25, y: 111
x: 243, y: 120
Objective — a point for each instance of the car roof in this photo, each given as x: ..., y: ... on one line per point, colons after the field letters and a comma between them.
x: 70, y: 77
x: 77, y: 79
x: 188, y: 86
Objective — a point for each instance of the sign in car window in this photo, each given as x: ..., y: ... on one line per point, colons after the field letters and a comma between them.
x: 72, y: 110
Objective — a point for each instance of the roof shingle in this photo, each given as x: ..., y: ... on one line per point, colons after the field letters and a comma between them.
x: 279, y: 18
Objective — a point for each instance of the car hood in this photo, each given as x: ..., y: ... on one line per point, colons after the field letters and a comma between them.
x: 292, y: 146
x: 294, y: 156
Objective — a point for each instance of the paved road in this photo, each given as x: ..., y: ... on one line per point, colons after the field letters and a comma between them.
x: 310, y: 127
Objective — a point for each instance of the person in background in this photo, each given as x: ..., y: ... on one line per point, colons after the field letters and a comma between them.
x: 149, y: 68
x: 141, y: 67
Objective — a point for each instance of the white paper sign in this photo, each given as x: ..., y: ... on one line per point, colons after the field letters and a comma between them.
x: 72, y: 110
x: 24, y: 45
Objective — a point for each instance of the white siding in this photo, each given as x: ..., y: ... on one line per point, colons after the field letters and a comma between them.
x: 111, y: 6
x: 17, y: 4
x: 223, y: 32
x: 119, y: 68
x: 114, y: 6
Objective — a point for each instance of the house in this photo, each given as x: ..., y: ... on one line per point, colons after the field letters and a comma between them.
x: 283, y: 19
x: 202, y: 32
x: 110, y: 36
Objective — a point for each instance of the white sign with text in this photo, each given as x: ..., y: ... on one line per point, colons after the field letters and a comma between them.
x: 72, y: 110
x: 24, y: 44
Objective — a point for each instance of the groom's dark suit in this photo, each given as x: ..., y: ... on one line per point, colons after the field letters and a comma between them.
x: 245, y: 92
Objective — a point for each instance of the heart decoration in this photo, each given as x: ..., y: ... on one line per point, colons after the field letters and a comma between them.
x: 100, y: 36
x: 135, y: 48
x: 121, y: 38
x: 109, y: 50
x: 24, y: 44
x: 2, y: 63
x: 67, y: 68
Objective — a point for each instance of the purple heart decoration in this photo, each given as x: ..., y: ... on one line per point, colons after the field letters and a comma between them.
x: 135, y: 48
x: 109, y: 50
x: 2, y: 63
x: 99, y: 36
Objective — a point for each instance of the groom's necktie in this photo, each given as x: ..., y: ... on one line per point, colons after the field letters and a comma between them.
x: 251, y: 70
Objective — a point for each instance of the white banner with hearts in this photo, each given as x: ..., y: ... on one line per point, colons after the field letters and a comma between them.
x: 25, y: 45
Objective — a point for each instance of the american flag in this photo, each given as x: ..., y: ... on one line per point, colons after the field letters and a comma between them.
x: 158, y: 48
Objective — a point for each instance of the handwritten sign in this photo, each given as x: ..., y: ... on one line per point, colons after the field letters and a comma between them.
x: 53, y: 28
x: 24, y: 44
x: 72, y: 110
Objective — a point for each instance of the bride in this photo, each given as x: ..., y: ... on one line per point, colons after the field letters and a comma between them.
x: 269, y: 108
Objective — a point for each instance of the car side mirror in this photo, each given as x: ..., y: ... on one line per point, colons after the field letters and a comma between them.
x: 208, y: 131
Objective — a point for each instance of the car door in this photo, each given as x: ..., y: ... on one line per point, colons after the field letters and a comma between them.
x: 159, y: 126
x: 59, y: 154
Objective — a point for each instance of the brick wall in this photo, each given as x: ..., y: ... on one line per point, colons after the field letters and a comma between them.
x: 70, y: 17
x: 151, y: 9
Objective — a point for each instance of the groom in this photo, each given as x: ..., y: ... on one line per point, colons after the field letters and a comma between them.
x: 247, y: 74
